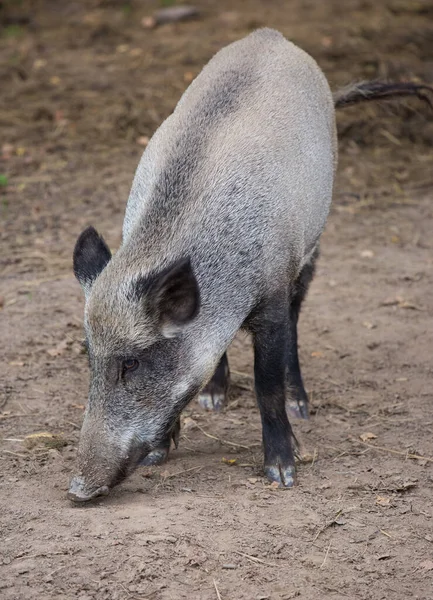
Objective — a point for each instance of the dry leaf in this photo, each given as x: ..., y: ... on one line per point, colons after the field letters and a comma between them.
x: 39, y: 63
x: 400, y: 302
x: 409, y: 305
x: 188, y: 423
x: 317, y: 354
x: 383, y: 501
x: 367, y: 436
x: 307, y: 458
x: 229, y: 461
x: 274, y: 485
x: 16, y: 363
x: 49, y: 440
x: 369, y: 325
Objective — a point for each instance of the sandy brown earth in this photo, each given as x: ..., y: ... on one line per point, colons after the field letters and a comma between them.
x: 82, y: 83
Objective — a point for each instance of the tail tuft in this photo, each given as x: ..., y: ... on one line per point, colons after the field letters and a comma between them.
x: 379, y: 90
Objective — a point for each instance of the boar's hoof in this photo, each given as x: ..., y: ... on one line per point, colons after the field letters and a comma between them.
x: 156, y: 457
x: 297, y: 409
x: 212, y: 400
x: 284, y: 476
x: 78, y: 493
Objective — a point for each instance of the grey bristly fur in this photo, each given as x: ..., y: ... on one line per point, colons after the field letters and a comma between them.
x: 234, y: 190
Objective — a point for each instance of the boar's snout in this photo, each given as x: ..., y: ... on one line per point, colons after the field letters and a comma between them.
x: 105, y: 458
x: 78, y: 491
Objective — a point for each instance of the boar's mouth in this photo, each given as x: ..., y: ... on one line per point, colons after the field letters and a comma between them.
x: 78, y: 491
x: 81, y: 490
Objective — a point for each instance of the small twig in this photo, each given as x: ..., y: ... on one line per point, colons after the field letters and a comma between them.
x: 124, y: 589
x: 40, y: 555
x: 15, y: 454
x: 4, y: 417
x: 181, y: 472
x: 314, y: 457
x: 246, y: 375
x: 243, y: 386
x: 255, y: 559
x: 22, y: 408
x: 221, y: 441
x: 326, y: 556
x: 328, y: 524
x: 384, y: 449
x: 385, y: 533
x: 216, y: 589
x: 57, y: 570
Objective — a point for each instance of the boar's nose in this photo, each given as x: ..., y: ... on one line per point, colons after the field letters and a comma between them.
x: 79, y: 492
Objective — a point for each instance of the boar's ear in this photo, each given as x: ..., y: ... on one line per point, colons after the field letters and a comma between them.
x: 174, y: 297
x: 91, y: 255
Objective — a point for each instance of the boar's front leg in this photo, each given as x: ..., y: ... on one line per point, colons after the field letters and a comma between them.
x: 160, y: 454
x: 270, y: 329
x: 214, y: 395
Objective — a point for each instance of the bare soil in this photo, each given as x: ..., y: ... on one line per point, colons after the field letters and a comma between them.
x: 81, y: 84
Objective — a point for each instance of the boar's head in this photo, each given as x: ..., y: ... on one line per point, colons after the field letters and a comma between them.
x: 143, y: 366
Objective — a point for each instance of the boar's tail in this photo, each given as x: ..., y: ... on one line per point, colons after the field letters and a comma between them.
x: 380, y: 90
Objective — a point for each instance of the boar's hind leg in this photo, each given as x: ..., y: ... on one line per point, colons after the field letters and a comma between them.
x: 214, y: 395
x: 270, y: 330
x: 160, y: 454
x: 297, y: 399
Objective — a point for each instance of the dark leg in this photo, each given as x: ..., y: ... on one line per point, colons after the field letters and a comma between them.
x: 214, y: 395
x: 297, y: 399
x: 271, y: 342
x: 160, y: 454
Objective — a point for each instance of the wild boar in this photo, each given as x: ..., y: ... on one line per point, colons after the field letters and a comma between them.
x: 221, y: 232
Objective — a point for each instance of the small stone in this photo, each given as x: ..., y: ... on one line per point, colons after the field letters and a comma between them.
x: 172, y: 14
x: 171, y: 539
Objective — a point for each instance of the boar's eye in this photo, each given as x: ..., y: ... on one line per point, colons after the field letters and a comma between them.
x: 129, y: 365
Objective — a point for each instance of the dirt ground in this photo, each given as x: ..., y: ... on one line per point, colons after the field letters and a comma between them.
x: 82, y: 85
